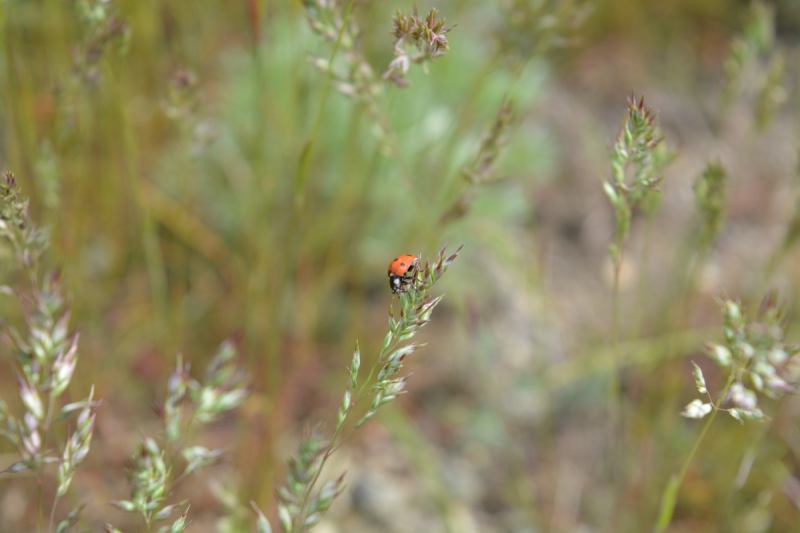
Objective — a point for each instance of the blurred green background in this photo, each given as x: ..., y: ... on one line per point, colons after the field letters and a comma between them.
x: 161, y: 142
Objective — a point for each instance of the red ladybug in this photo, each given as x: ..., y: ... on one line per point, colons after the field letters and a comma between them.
x: 401, y: 272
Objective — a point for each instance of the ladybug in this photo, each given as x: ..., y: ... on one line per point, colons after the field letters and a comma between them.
x: 401, y: 272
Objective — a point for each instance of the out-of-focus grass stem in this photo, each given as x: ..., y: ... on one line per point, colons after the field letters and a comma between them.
x: 643, y: 289
x: 669, y: 497
x: 299, y: 525
x: 305, y: 155
x: 291, y: 243
x: 424, y: 462
x: 614, y: 382
x: 156, y: 270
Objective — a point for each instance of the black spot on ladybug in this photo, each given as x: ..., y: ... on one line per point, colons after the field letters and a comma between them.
x: 402, y: 264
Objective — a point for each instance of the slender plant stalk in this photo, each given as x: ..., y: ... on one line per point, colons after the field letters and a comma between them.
x: 39, y: 498
x: 360, y: 395
x: 614, y: 382
x: 45, y: 439
x: 614, y: 396
x: 305, y: 155
x: 643, y: 289
x: 154, y: 261
x: 671, y: 492
x: 635, y: 172
x: 48, y: 420
x: 297, y: 202
x: 52, y: 515
x: 299, y: 525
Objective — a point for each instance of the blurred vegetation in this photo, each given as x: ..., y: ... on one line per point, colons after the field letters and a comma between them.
x: 173, y: 147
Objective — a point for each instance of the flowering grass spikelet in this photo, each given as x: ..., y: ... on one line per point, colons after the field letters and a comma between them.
x: 44, y: 359
x: 150, y: 474
x: 427, y: 35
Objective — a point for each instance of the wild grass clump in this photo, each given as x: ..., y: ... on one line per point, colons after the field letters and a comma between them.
x: 45, y: 359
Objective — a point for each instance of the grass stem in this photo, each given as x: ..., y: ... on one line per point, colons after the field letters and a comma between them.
x: 669, y: 498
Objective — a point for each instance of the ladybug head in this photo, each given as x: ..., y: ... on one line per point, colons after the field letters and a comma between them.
x: 396, y: 283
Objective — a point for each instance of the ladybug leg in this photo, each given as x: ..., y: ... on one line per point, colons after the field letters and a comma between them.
x: 407, y: 281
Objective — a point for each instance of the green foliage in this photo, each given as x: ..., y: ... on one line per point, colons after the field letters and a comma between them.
x: 208, y: 170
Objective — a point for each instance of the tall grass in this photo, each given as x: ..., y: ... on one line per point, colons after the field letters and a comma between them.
x: 254, y: 169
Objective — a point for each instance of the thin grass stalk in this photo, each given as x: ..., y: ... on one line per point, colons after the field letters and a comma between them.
x: 614, y: 398
x: 614, y: 382
x: 424, y: 462
x: 669, y: 497
x: 292, y: 246
x: 710, y: 190
x: 48, y: 420
x: 154, y: 261
x: 299, y: 525
x: 729, y: 507
x: 636, y: 165
x: 643, y: 288
x: 393, y: 143
x: 52, y: 515
x: 39, y: 497
x: 305, y: 155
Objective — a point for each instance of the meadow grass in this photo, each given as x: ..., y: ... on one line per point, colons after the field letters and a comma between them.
x: 248, y: 172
